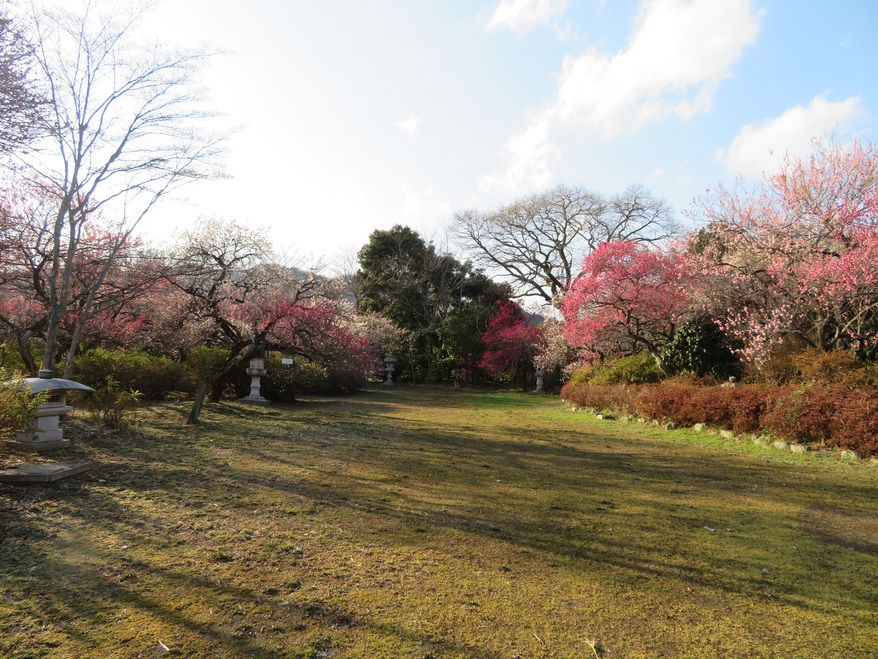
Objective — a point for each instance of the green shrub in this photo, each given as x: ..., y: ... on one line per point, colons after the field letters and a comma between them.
x: 633, y: 369
x: 204, y: 363
x: 110, y: 404
x: 701, y: 347
x: 151, y: 375
x: 16, y: 407
x: 579, y: 376
x: 282, y: 382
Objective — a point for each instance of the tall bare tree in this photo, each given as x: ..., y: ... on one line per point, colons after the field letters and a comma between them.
x: 538, y: 241
x: 123, y: 120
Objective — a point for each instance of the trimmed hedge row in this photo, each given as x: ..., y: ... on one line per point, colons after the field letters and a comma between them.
x: 834, y: 416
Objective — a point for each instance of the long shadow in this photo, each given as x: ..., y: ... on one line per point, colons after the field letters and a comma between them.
x: 546, y: 483
x: 75, y: 598
x: 591, y: 472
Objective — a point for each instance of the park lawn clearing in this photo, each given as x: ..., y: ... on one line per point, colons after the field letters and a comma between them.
x: 436, y: 522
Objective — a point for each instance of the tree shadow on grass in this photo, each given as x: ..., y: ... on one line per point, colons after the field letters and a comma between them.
x: 610, y: 509
x: 68, y: 594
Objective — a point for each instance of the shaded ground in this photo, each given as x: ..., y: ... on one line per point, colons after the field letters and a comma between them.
x: 436, y: 523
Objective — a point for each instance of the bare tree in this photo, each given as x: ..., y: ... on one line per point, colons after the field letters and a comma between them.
x: 538, y: 242
x: 123, y: 120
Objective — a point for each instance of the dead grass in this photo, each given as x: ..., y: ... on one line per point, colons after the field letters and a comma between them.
x: 436, y: 523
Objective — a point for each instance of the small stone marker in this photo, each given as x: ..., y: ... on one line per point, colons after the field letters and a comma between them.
x: 43, y: 473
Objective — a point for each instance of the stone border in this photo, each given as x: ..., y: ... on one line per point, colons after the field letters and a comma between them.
x: 763, y: 440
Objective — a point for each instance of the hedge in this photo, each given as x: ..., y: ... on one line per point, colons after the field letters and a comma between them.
x: 829, y: 416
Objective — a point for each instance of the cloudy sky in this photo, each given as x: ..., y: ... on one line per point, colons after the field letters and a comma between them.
x: 360, y: 115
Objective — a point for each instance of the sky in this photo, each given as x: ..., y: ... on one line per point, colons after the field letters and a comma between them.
x: 352, y: 116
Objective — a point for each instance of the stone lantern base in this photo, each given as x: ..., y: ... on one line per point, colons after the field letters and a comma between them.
x: 45, y: 432
x: 256, y: 371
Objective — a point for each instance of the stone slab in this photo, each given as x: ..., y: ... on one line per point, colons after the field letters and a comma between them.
x: 43, y: 473
x: 37, y: 446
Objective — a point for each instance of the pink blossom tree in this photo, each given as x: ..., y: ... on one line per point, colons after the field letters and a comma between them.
x: 51, y: 286
x: 796, y: 255
x: 243, y: 300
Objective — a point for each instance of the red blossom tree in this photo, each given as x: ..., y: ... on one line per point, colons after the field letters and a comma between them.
x: 94, y: 269
x: 511, y: 343
x: 626, y: 299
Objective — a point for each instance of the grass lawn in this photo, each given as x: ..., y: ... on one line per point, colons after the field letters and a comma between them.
x: 435, y: 522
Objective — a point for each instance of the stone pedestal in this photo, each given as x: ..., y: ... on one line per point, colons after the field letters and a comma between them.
x: 44, y: 432
x: 389, y: 367
x: 541, y: 374
x: 256, y: 371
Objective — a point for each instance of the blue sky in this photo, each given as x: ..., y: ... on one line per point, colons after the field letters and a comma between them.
x: 360, y: 115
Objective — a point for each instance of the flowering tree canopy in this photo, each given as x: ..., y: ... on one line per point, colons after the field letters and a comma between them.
x: 795, y: 256
x: 511, y: 342
x: 626, y: 299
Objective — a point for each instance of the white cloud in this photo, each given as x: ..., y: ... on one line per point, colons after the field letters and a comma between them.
x: 528, y: 157
x: 409, y: 126
x: 522, y: 15
x: 678, y: 53
x: 758, y: 149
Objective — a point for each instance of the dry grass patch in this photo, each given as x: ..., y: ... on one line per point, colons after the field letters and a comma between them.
x: 433, y: 523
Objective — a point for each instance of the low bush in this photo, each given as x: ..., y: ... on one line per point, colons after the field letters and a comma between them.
x: 855, y: 422
x: 633, y: 369
x: 110, y: 405
x: 801, y: 415
x: 601, y: 397
x: 154, y: 377
x: 832, y: 415
x: 733, y: 408
x: 829, y: 368
x: 282, y: 382
x: 667, y: 402
x: 16, y: 407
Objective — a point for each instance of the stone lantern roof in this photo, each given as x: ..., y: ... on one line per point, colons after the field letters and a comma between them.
x: 47, y: 383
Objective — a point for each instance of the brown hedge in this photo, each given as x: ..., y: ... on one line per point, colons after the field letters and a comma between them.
x: 830, y: 415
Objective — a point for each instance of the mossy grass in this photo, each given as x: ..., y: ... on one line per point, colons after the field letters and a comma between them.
x: 436, y: 522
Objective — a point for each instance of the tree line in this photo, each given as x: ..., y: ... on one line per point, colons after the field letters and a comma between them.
x: 95, y: 130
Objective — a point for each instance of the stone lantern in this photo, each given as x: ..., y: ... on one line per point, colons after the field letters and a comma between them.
x: 45, y: 432
x: 389, y: 368
x: 540, y: 374
x: 256, y: 371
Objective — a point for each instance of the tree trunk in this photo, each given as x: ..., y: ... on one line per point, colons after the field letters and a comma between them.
x: 198, y: 404
x: 22, y: 341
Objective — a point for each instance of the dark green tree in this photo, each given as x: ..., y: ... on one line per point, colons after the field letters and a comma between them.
x: 405, y: 279
x: 699, y: 346
x: 21, y: 104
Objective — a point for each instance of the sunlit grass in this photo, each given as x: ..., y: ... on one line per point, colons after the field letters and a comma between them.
x: 437, y: 523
